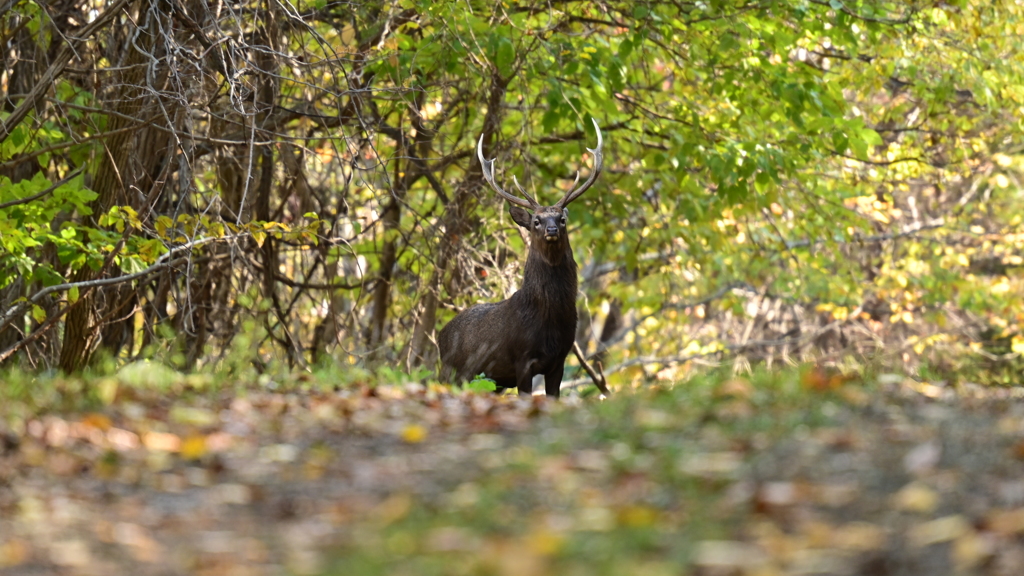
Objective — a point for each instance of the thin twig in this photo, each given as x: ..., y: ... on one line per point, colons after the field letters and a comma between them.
x: 61, y: 61
x: 599, y: 381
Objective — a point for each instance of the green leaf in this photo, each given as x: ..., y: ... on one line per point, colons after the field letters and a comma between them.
x: 871, y: 137
x: 47, y: 276
x: 132, y: 264
x: 505, y: 56
x: 625, y: 48
x: 481, y: 383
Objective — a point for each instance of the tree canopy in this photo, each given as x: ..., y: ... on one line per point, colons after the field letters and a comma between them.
x: 298, y: 179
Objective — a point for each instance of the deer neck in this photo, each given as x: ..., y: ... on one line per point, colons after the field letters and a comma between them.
x: 550, y: 284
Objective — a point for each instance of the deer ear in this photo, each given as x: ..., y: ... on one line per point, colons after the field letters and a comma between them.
x: 520, y: 215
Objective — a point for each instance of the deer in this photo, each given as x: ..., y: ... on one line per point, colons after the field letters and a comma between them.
x: 531, y: 332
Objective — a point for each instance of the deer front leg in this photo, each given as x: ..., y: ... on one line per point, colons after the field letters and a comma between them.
x: 553, y: 380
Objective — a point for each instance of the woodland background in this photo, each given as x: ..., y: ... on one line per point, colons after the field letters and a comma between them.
x: 296, y: 182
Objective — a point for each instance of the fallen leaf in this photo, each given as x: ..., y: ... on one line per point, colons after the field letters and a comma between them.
x: 193, y: 447
x: 14, y: 552
x: 97, y: 421
x: 394, y: 508
x: 414, y: 433
x: 1006, y: 522
x: 938, y: 530
x: 728, y: 554
x: 916, y: 497
x: 283, y: 453
x: 70, y: 553
x: 971, y: 549
x: 860, y: 536
x: 161, y: 441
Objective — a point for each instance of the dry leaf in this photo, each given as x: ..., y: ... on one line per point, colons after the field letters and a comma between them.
x: 938, y: 530
x: 916, y: 497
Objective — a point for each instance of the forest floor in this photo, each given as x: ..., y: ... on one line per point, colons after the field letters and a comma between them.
x: 784, y: 473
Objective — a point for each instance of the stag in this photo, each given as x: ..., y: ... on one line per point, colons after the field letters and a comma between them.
x: 533, y: 331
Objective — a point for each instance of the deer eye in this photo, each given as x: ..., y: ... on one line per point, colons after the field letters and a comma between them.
x: 536, y: 223
x: 563, y: 220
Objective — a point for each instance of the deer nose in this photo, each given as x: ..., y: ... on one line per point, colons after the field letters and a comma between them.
x: 551, y: 230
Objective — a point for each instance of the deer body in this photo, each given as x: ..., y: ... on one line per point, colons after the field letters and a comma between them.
x: 533, y: 331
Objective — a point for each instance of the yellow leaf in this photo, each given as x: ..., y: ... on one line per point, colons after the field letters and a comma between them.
x: 1017, y: 344
x: 545, y: 542
x: 916, y: 497
x: 414, y: 433
x: 193, y: 447
x: 162, y: 224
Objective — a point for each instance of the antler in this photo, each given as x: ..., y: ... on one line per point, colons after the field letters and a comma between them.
x: 488, y: 169
x: 574, y: 192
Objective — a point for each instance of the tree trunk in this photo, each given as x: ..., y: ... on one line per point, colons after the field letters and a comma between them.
x: 127, y: 174
x: 456, y: 224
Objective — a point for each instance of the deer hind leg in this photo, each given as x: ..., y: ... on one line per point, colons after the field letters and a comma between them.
x: 524, y: 377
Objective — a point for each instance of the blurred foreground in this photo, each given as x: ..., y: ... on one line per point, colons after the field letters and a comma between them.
x: 800, y: 472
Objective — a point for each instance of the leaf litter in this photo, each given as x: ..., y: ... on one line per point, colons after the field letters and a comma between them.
x: 728, y: 476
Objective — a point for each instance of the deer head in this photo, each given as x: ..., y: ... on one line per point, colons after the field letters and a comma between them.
x: 545, y: 224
